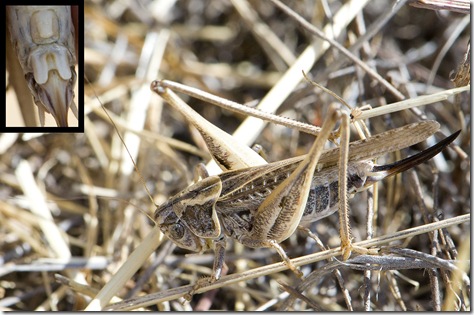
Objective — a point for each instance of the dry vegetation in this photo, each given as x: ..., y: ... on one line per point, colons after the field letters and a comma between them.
x: 98, y: 207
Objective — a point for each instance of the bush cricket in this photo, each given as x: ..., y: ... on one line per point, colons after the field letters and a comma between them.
x: 336, y: 158
x: 91, y: 231
x: 204, y: 214
x: 261, y: 206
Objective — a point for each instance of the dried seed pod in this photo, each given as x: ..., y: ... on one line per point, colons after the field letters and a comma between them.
x: 43, y: 37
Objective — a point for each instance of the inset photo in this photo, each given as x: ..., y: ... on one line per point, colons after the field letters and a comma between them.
x: 42, y: 67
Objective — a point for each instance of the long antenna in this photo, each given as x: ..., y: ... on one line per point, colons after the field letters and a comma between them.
x: 121, y: 139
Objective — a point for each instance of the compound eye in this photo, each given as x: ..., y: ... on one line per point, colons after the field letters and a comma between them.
x: 177, y: 231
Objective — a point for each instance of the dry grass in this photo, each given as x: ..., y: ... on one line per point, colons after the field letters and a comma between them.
x: 76, y: 208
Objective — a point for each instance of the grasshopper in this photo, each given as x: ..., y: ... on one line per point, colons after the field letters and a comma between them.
x: 261, y: 206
